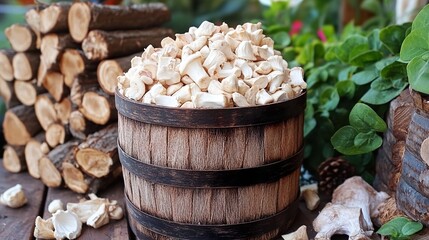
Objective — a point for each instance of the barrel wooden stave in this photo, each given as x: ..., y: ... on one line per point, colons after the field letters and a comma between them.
x: 189, y: 148
x: 412, y: 202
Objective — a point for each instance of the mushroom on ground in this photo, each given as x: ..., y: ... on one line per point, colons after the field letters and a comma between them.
x: 55, y: 205
x: 99, y: 218
x: 299, y: 234
x: 67, y: 225
x: 14, y: 197
x: 43, y: 229
x: 310, y: 196
x: 424, y: 150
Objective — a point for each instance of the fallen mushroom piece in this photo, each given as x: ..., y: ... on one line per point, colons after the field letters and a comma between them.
x: 207, y: 100
x: 310, y: 196
x: 424, y: 150
x: 44, y: 229
x: 14, y: 197
x: 115, y: 212
x: 192, y: 67
x: 239, y: 100
x: 66, y: 224
x: 55, y: 205
x: 244, y: 51
x: 86, y: 208
x: 338, y: 219
x: 167, y: 101
x: 299, y: 234
x: 99, y: 218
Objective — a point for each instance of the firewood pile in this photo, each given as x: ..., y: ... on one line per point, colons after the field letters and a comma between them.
x: 58, y: 83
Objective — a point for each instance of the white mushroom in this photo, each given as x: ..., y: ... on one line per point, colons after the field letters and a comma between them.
x: 166, y: 73
x: 136, y: 61
x: 256, y: 37
x: 244, y: 51
x: 224, y: 47
x: 186, y: 80
x: 205, y: 51
x: 230, y: 84
x: 260, y: 82
x: 167, y: 101
x: 279, y: 96
x: 288, y: 89
x: 183, y: 94
x: 276, y: 79
x: 115, y: 212
x: 86, y: 208
x: 213, y: 61
x: 264, y: 52
x: 149, y: 50
x: 215, y: 87
x: 233, y: 43
x: 194, y: 89
x: 251, y: 27
x: 188, y: 104
x: 14, y: 197
x: 276, y: 63
x: 262, y: 97
x: 99, y: 218
x: 55, y: 205
x: 157, y: 89
x: 43, y: 229
x: 310, y: 196
x: 183, y: 39
x: 242, y: 87
x: 267, y: 41
x: 207, y: 100
x: 192, y: 67
x: 198, y: 43
x: 228, y: 71
x: 240, y: 100
x: 205, y: 29
x: 150, y: 68
x: 264, y: 68
x: 251, y: 95
x: 66, y: 224
x: 297, y: 77
x: 170, y: 50
x: 174, y: 88
x: 299, y: 234
x: 246, y: 70
x: 224, y: 28
x: 216, y: 37
x: 424, y: 150
x: 186, y: 52
x: 136, y: 90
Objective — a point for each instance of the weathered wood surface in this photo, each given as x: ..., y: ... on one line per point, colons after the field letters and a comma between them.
x: 19, y: 223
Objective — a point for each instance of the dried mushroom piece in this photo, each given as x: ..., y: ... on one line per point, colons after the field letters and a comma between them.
x: 14, y: 197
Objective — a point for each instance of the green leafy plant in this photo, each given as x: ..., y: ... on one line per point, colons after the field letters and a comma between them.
x: 415, y: 52
x: 400, y: 228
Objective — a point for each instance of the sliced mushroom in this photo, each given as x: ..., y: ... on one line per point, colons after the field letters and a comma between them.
x: 183, y: 94
x: 55, y: 205
x: 207, y: 100
x: 205, y: 29
x: 156, y: 89
x: 262, y: 97
x: 174, y: 88
x: 99, y: 218
x: 66, y: 224
x: 192, y: 67
x: 43, y: 229
x: 240, y: 100
x: 166, y: 73
x: 14, y: 197
x: 213, y: 61
x: 167, y: 101
x: 244, y: 51
x: 229, y: 84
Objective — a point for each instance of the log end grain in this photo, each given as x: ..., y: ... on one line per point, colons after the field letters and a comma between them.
x: 55, y: 135
x: 63, y: 109
x: 49, y: 49
x: 15, y: 131
x: 20, y: 37
x: 33, y: 153
x: 32, y: 17
x: 79, y: 18
x: 48, y: 18
x: 13, y: 159
x: 71, y: 64
x: 96, y: 108
x: 95, y: 46
x: 107, y: 75
x: 45, y: 111
x: 25, y: 92
x: 54, y: 83
x: 23, y: 67
x: 94, y: 162
x: 6, y: 57
x: 74, y: 178
x: 49, y: 174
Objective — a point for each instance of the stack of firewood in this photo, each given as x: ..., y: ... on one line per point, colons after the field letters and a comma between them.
x: 58, y: 83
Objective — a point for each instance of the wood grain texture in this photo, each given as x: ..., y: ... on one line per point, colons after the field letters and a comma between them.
x: 20, y: 124
x: 211, y: 149
x: 19, y: 222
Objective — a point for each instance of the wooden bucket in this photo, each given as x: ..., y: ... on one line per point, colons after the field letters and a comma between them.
x: 412, y: 194
x: 211, y: 173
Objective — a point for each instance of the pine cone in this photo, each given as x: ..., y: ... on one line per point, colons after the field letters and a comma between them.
x: 332, y: 173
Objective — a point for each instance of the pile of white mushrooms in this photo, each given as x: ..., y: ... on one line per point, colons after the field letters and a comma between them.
x: 212, y: 67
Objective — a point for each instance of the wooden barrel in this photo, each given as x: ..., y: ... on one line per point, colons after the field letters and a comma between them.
x: 414, y: 188
x: 228, y: 173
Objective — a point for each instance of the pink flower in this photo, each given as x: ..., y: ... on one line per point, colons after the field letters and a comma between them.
x: 321, y: 35
x: 296, y: 27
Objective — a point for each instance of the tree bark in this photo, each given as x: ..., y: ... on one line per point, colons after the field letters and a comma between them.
x: 109, y: 70
x: 25, y: 65
x: 20, y: 124
x: 54, y: 18
x: 85, y: 16
x: 6, y: 57
x: 98, y: 107
x: 64, y: 109
x: 8, y: 94
x: 45, y: 111
x: 54, y: 83
x: 50, y: 167
x: 99, y: 45
x: 98, y: 155
x: 53, y: 46
x: 74, y: 62
x: 14, y: 159
x: 27, y: 91
x: 21, y: 37
x: 33, y: 153
x: 80, y: 127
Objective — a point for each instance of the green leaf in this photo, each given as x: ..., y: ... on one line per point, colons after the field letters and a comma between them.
x: 366, y: 58
x: 422, y: 19
x: 384, y: 62
x: 309, y: 125
x: 411, y: 228
x: 329, y: 99
x: 344, y: 142
x: 345, y: 73
x: 346, y: 88
x: 418, y: 75
x: 367, y: 75
x: 381, y: 84
x: 374, y: 40
x: 367, y: 140
x: 393, y: 227
x: 392, y: 37
x: 387, y: 230
x: 415, y: 44
x: 394, y: 70
x: 381, y: 97
x: 352, y: 47
x: 364, y: 119
x: 281, y: 40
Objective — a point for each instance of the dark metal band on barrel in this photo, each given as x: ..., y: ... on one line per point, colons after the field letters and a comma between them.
x: 210, y: 118
x: 188, y: 178
x: 280, y: 220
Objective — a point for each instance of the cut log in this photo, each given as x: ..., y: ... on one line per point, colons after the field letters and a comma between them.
x: 56, y: 134
x: 45, y: 111
x: 33, y: 153
x: 53, y: 45
x: 20, y: 124
x: 63, y: 109
x: 32, y: 17
x: 14, y: 159
x: 82, y: 183
x: 99, y: 45
x: 50, y: 166
x: 98, y: 155
x: 80, y: 127
x: 54, y: 17
x: 82, y: 84
x: 109, y: 70
x: 8, y: 94
x: 85, y: 16
x: 98, y: 107
x: 25, y: 65
x: 54, y: 83
x: 6, y: 69
x: 74, y: 62
x: 41, y: 73
x: 27, y: 92
x: 21, y: 37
